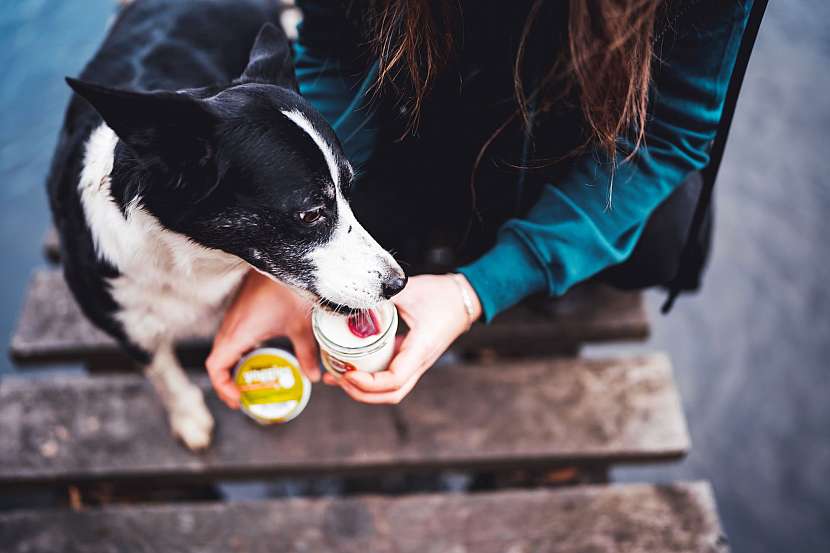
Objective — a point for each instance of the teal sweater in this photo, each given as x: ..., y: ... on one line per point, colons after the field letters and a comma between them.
x: 573, y: 231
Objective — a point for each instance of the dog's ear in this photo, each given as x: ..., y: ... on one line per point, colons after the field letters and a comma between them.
x: 177, y: 128
x: 271, y: 60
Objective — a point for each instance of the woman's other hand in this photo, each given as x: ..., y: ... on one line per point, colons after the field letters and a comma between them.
x: 433, y: 308
x: 262, y: 310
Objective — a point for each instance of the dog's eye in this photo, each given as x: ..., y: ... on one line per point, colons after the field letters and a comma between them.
x: 311, y: 216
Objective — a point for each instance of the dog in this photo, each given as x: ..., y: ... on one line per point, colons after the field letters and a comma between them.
x: 187, y: 157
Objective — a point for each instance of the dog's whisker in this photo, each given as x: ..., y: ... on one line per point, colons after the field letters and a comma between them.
x: 168, y: 284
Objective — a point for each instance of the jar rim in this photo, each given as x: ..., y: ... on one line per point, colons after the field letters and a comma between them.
x: 365, y: 349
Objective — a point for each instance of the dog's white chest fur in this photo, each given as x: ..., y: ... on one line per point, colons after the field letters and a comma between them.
x: 169, y: 287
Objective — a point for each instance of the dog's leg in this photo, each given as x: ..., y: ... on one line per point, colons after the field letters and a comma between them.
x: 189, y: 417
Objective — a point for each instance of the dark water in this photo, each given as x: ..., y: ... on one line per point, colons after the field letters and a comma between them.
x: 752, y: 352
x: 41, y: 41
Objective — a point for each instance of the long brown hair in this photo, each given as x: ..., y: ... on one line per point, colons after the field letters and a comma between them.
x: 607, y: 62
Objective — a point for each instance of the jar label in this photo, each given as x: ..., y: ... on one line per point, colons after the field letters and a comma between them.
x: 272, y: 387
x: 334, y: 364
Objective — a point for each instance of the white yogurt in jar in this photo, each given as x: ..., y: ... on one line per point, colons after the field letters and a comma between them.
x: 342, y: 351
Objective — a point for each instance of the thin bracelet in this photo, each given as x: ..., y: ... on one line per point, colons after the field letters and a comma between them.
x: 465, y: 298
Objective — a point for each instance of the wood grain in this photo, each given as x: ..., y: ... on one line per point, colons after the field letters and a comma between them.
x: 678, y: 518
x: 52, y: 328
x: 65, y: 429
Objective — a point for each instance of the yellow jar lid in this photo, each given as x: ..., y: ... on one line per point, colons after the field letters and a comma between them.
x: 272, y: 387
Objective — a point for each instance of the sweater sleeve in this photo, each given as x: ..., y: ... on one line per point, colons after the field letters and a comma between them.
x: 573, y: 231
x: 332, y: 76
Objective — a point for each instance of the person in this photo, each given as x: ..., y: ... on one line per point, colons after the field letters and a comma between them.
x: 531, y: 144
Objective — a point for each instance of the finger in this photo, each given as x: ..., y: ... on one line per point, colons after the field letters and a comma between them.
x: 402, y: 297
x: 227, y: 395
x: 225, y: 353
x: 387, y: 398
x: 225, y: 389
x: 305, y: 348
x: 398, y: 343
x: 402, y: 305
x: 412, y: 359
x: 330, y: 380
x: 229, y: 401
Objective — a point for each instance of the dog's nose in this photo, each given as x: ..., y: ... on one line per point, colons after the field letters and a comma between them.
x: 392, y: 285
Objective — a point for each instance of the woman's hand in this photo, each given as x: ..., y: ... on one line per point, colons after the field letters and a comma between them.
x: 433, y: 308
x: 263, y: 309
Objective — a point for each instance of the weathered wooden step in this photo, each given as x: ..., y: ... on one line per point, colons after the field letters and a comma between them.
x: 676, y: 518
x: 52, y: 327
x: 528, y: 414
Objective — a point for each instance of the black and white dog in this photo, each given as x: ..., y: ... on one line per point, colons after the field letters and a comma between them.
x: 192, y: 159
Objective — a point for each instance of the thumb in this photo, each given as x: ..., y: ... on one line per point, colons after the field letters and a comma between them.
x: 305, y: 348
x: 224, y: 354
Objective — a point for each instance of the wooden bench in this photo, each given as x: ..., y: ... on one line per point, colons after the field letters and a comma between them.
x: 53, y: 328
x: 529, y: 409
x: 521, y: 414
x: 679, y: 518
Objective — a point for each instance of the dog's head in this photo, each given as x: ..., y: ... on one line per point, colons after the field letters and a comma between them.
x: 253, y: 170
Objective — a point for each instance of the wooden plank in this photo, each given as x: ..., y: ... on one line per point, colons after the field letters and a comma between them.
x: 539, y: 326
x: 52, y: 327
x: 485, y: 415
x: 633, y: 518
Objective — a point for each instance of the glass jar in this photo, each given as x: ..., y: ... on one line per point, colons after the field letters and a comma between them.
x: 272, y: 387
x: 341, y: 351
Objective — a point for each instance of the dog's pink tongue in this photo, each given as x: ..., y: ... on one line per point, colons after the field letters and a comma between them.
x: 364, y: 324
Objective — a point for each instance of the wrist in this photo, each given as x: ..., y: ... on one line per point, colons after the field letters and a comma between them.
x: 469, y: 298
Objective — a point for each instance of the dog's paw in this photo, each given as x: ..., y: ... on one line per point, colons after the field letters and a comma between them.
x: 192, y: 423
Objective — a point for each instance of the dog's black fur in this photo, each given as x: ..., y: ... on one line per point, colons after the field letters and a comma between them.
x: 216, y: 161
x: 187, y: 157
